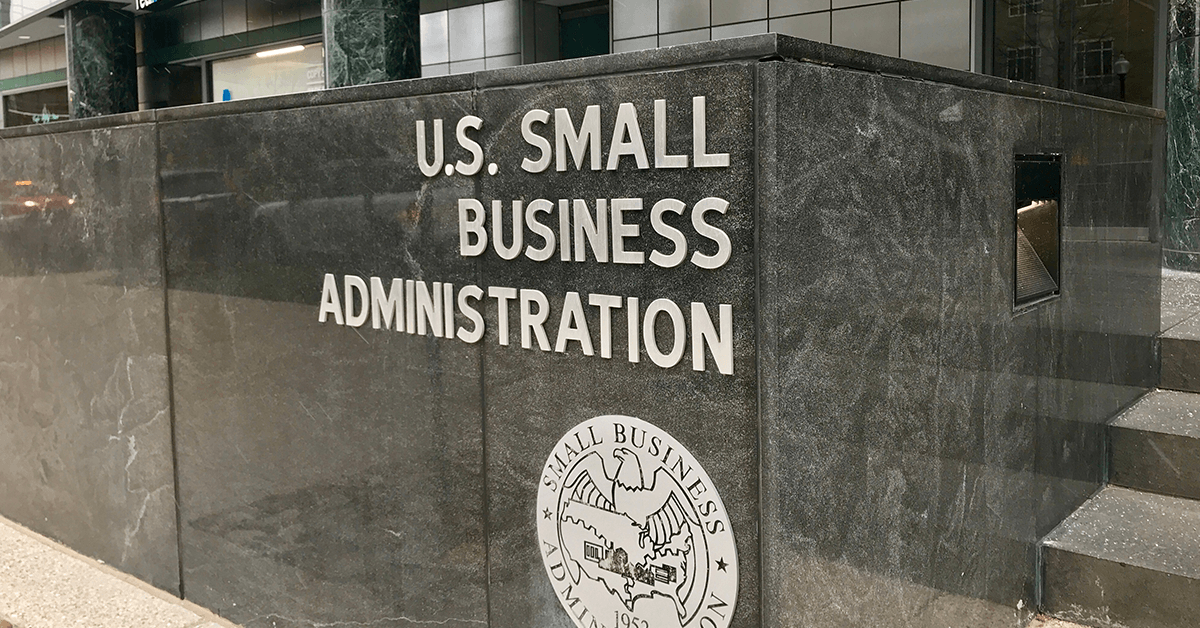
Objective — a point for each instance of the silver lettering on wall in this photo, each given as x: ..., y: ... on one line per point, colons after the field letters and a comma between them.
x: 558, y: 230
x: 444, y: 311
x: 585, y: 227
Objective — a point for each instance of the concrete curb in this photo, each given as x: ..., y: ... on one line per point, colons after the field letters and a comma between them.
x: 46, y: 585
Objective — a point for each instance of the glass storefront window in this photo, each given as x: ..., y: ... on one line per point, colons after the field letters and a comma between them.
x: 283, y: 70
x: 1075, y: 45
x: 40, y: 106
x: 13, y: 12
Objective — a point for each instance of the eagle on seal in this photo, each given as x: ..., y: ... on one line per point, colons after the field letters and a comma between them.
x: 652, y: 505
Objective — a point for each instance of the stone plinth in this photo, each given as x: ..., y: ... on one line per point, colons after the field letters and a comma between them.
x: 795, y: 260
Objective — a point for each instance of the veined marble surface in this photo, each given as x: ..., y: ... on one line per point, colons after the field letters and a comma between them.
x: 86, y: 456
x: 1181, y: 220
x: 371, y: 41
x: 919, y: 434
x: 891, y: 443
x: 102, y: 60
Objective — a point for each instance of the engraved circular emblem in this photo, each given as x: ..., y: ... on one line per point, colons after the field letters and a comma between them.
x: 632, y: 531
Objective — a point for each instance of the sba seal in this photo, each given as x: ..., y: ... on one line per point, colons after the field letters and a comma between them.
x: 632, y: 531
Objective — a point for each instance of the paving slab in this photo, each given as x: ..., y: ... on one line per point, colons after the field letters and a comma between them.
x: 1042, y: 621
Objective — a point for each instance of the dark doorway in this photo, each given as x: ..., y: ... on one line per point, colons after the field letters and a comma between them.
x: 583, y: 30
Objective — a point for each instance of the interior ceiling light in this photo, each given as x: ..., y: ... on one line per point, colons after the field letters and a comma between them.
x: 22, y: 36
x: 279, y: 51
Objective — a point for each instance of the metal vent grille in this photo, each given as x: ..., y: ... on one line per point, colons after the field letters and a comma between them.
x: 1033, y: 280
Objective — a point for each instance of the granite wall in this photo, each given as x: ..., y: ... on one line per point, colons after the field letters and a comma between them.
x: 337, y: 473
x: 533, y: 398
x: 920, y: 434
x: 892, y: 441
x: 86, y: 456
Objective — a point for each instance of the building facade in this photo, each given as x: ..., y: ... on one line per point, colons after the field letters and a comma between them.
x: 214, y: 50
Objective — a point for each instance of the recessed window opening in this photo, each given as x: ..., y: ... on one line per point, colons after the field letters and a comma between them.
x: 1038, y: 195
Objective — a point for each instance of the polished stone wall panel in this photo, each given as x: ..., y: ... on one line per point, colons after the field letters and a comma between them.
x: 337, y: 474
x: 920, y: 435
x: 1098, y: 330
x: 87, y: 454
x: 894, y: 439
x: 533, y: 398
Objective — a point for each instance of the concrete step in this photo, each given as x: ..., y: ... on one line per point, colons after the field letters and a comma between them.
x: 1155, y: 445
x: 1125, y: 558
x: 1179, y: 349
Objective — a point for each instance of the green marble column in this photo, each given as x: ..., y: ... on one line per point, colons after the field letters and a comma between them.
x: 1181, y: 216
x: 371, y: 41
x: 101, y: 60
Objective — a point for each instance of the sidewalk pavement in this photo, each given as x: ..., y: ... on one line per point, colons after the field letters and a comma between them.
x: 1042, y: 621
x: 46, y: 585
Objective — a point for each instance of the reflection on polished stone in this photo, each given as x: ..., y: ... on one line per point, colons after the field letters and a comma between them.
x: 86, y: 453
x: 347, y: 461
x: 916, y: 429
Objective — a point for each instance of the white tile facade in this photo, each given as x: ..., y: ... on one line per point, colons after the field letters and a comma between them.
x: 931, y: 31
x: 470, y: 38
x: 33, y: 58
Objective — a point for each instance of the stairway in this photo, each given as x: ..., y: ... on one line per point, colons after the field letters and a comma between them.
x: 1130, y: 556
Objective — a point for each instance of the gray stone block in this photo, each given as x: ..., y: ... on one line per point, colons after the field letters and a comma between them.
x: 1155, y: 445
x: 1180, y: 347
x: 1125, y: 559
x: 86, y: 457
x: 894, y: 436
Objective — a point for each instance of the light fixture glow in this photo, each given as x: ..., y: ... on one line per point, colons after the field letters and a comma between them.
x: 22, y: 36
x: 30, y: 204
x: 22, y: 182
x: 279, y: 51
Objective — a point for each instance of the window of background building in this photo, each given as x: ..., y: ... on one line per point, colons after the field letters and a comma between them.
x: 282, y: 70
x: 1077, y: 43
x: 1023, y: 63
x: 34, y: 107
x: 181, y: 44
x: 1094, y: 57
x: 1017, y: 8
